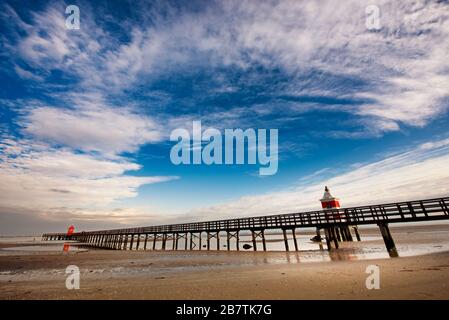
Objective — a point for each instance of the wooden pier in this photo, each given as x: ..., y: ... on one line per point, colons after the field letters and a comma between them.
x: 337, y: 224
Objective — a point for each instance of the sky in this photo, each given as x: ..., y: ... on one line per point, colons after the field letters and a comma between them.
x: 86, y: 114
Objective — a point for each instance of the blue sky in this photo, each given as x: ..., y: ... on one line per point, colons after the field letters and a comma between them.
x: 86, y: 115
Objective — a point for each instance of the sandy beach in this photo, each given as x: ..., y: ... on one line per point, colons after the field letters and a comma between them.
x: 234, y: 275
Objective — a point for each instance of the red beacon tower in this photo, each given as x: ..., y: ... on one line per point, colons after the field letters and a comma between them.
x: 70, y: 230
x: 328, y: 201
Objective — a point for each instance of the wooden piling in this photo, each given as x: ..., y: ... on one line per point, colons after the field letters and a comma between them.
x: 343, y: 233
x: 253, y: 235
x: 318, y: 234
x: 145, y: 243
x: 349, y: 235
x: 356, y: 231
x: 125, y: 244
x: 334, y: 237
x: 388, y: 239
x: 237, y: 240
x: 138, y: 242
x: 336, y: 232
x: 264, y: 244
x: 164, y: 240
x: 328, y: 238
x: 285, y: 239
x: 114, y: 242
x: 119, y: 242
x: 132, y: 242
x: 155, y: 235
x: 175, y: 240
x: 218, y: 240
x: 208, y: 241
x: 294, y: 239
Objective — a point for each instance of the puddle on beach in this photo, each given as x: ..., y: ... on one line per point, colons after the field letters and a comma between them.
x: 27, y: 247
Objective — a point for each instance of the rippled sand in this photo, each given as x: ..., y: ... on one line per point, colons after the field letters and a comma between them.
x: 30, y: 269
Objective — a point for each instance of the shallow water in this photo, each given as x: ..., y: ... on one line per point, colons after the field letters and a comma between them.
x: 408, y: 243
x: 45, y: 248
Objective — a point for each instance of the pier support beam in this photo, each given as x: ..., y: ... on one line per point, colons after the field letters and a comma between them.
x: 237, y: 240
x: 164, y: 240
x: 337, y: 233
x: 125, y: 242
x: 208, y: 241
x: 348, y: 234
x: 123, y: 245
x: 258, y: 234
x: 229, y: 236
x: 356, y: 231
x: 253, y: 236
x: 318, y: 236
x: 264, y: 244
x: 388, y: 239
x: 145, y: 243
x: 294, y: 239
x: 333, y: 231
x: 328, y: 240
x: 330, y: 236
x: 138, y: 242
x: 285, y: 239
x: 344, y: 233
x: 218, y: 240
x: 132, y: 242
x: 192, y: 241
x: 154, y: 240
x: 119, y: 242
x: 210, y: 235
x: 173, y: 247
x: 176, y: 240
x: 114, y: 244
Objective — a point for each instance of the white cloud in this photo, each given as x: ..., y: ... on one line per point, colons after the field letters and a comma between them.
x: 25, y: 74
x: 419, y: 173
x: 37, y: 176
x: 107, y: 130
x: 404, y: 66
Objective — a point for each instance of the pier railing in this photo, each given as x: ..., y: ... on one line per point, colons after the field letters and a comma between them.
x: 408, y: 211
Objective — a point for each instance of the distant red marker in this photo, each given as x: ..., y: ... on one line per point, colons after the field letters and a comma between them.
x: 70, y: 230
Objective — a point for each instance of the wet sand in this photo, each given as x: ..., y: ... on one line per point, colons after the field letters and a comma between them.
x: 232, y: 275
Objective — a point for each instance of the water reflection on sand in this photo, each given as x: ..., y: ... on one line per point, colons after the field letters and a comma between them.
x: 408, y: 243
